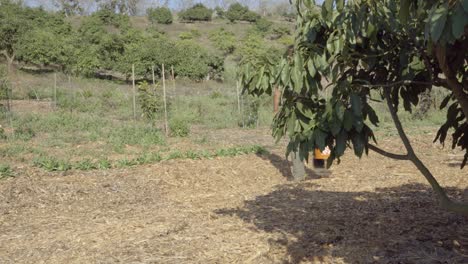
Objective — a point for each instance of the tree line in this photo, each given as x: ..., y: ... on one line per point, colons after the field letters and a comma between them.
x: 105, y: 43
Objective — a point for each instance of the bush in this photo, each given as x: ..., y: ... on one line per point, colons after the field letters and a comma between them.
x: 6, y: 171
x: 198, y: 12
x: 263, y: 25
x: 224, y: 40
x: 238, y: 12
x: 185, y: 35
x: 2, y: 133
x: 24, y: 132
x: 159, y: 15
x: 151, y: 103
x: 220, y: 13
x: 179, y: 127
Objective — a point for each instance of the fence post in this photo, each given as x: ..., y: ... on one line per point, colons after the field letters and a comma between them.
x: 55, y: 89
x: 134, y: 92
x: 166, y: 128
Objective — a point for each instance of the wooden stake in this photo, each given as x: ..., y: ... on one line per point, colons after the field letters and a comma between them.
x: 55, y: 90
x: 173, y: 81
x: 238, y: 97
x: 134, y: 92
x: 166, y: 128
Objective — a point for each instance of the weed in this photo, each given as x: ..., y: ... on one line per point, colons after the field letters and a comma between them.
x: 86, y: 165
x: 104, y: 164
x: 6, y: 171
x: 52, y: 164
x: 179, y: 127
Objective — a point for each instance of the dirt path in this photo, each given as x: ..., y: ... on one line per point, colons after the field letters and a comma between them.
x: 235, y: 210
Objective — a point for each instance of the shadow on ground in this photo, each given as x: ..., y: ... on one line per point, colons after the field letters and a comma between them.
x: 284, y: 167
x: 391, y: 225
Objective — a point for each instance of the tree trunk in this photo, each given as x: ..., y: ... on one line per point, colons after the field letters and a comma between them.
x: 298, y: 168
x: 445, y: 201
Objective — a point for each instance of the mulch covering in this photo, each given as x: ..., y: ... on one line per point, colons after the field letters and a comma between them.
x: 236, y: 210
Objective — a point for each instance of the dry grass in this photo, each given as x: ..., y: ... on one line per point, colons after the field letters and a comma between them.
x: 236, y: 210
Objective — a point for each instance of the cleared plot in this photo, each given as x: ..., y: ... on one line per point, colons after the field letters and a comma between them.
x: 235, y: 210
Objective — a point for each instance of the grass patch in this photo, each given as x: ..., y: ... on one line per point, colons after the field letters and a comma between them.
x: 6, y: 171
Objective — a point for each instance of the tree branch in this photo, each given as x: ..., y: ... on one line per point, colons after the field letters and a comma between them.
x: 386, y: 153
x: 389, y: 85
x: 453, y: 83
x: 445, y: 201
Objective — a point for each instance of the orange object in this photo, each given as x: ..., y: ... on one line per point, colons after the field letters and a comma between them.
x: 320, y: 155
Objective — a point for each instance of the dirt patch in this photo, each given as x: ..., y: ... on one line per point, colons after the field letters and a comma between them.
x: 235, y: 210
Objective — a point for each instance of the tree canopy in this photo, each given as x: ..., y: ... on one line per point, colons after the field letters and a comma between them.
x: 363, y: 51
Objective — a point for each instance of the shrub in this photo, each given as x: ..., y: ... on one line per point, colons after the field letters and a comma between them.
x: 238, y: 12
x: 52, y: 164
x: 151, y: 103
x: 219, y: 11
x: 179, y: 127
x: 24, y: 132
x: 263, y: 25
x: 198, y: 12
x: 185, y: 35
x: 224, y: 40
x: 2, y: 133
x: 279, y: 31
x: 159, y: 15
x: 6, y: 171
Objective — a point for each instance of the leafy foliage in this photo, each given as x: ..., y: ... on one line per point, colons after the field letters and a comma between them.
x: 159, y: 15
x: 361, y: 47
x: 238, y: 12
x: 198, y: 12
x: 224, y: 40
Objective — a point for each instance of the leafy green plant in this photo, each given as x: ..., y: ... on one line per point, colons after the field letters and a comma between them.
x: 263, y: 25
x: 3, y: 134
x: 24, y: 132
x: 224, y: 40
x: 159, y: 15
x: 198, y: 12
x: 52, y: 164
x: 6, y: 171
x: 126, y: 163
x: 238, y: 12
x: 179, y: 127
x: 186, y: 35
x: 151, y: 101
x: 86, y: 165
x: 104, y: 164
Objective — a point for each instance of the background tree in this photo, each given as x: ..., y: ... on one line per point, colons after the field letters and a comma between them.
x: 386, y: 50
x: 69, y: 7
x: 198, y: 12
x: 159, y: 15
x: 238, y: 12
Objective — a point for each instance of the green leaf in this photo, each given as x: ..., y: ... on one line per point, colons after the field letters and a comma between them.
x: 356, y: 105
x: 340, y: 5
x: 404, y: 11
x: 320, y: 138
x: 459, y: 21
x: 437, y: 21
x: 348, y: 120
x: 372, y: 115
x: 341, y: 143
x: 311, y: 68
x: 358, y: 144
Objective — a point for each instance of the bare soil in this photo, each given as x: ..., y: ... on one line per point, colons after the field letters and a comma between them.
x: 237, y: 210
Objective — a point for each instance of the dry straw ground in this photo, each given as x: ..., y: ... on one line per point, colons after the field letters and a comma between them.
x: 236, y: 210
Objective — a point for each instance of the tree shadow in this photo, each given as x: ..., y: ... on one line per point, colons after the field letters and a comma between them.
x: 284, y: 167
x: 392, y: 225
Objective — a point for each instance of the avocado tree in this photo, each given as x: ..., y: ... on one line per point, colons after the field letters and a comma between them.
x: 363, y: 51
